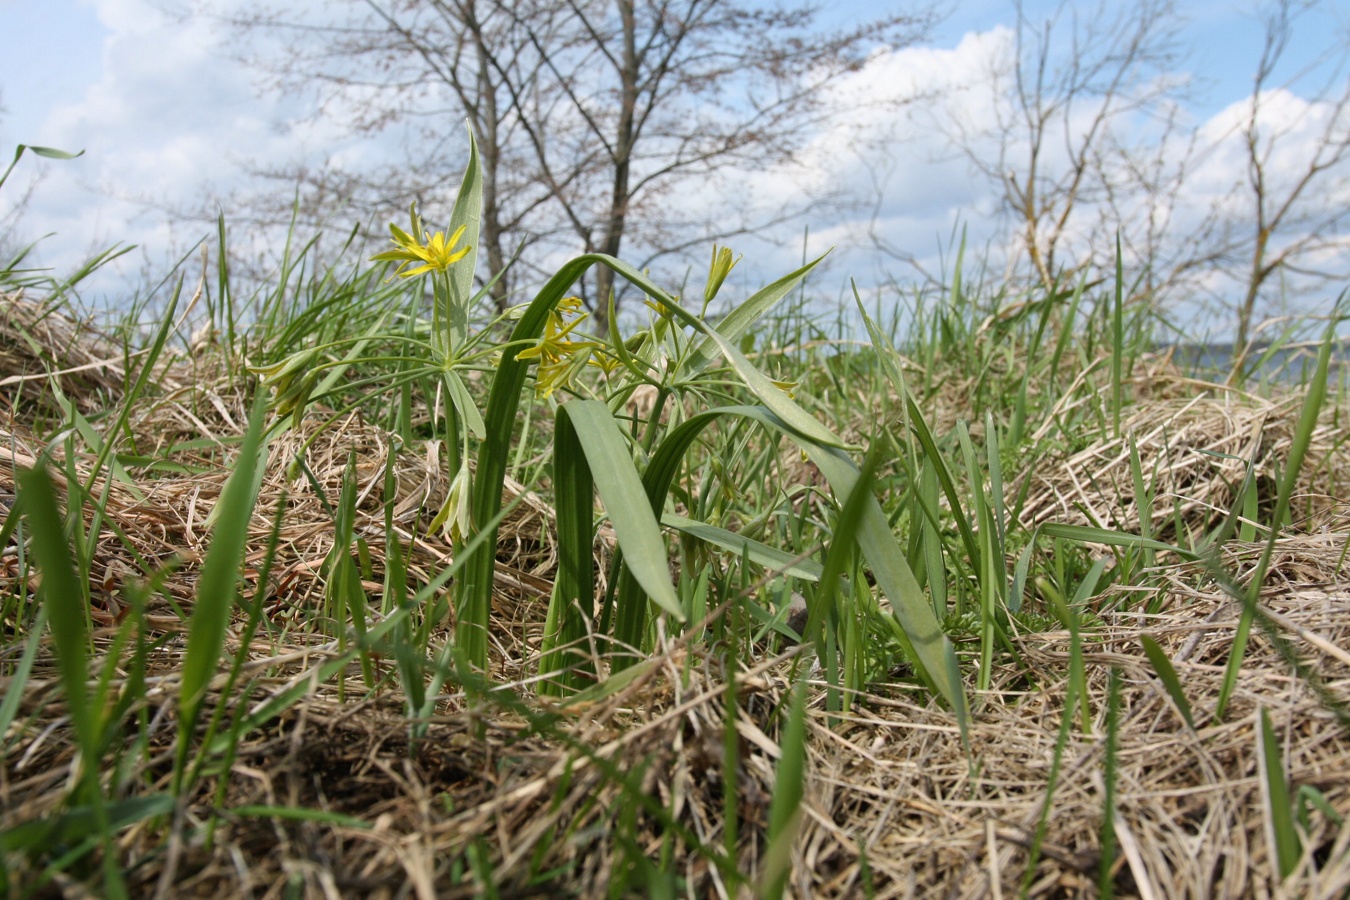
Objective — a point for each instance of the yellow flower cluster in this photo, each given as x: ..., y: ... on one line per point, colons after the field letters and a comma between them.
x: 559, y: 355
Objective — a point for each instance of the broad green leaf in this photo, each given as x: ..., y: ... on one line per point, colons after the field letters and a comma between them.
x: 620, y: 487
x: 467, y: 211
x: 473, y: 591
x: 464, y: 405
x: 573, y: 597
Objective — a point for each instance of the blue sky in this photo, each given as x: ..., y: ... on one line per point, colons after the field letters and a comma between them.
x: 165, y: 120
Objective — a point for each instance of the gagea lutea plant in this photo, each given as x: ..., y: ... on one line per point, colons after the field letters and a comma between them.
x: 631, y: 466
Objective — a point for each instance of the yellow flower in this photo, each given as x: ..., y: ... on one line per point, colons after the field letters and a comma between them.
x: 659, y: 308
x: 433, y: 252
x: 606, y: 363
x: 559, y: 356
x: 721, y: 266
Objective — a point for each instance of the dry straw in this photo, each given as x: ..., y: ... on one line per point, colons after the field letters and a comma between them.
x: 894, y: 804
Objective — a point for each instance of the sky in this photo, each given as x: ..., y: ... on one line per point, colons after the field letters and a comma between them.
x: 165, y: 119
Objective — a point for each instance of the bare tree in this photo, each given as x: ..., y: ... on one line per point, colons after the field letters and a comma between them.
x: 1055, y: 100
x: 1280, y: 223
x: 596, y: 119
x: 1292, y: 228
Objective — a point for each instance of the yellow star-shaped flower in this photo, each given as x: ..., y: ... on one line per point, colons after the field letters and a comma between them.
x: 432, y: 254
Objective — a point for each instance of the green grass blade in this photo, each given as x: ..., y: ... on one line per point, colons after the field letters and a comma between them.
x: 785, y: 809
x: 1118, y: 342
x: 1279, y: 811
x: 757, y: 552
x: 887, y: 353
x: 19, y: 678
x: 1298, y: 449
x: 301, y: 814
x: 838, y: 561
x: 1091, y: 534
x: 218, y: 585
x: 1168, y: 675
x: 48, y: 152
x: 1110, y: 777
x: 79, y: 823
x: 929, y: 649
x: 920, y: 632
x: 774, y: 397
x: 62, y: 598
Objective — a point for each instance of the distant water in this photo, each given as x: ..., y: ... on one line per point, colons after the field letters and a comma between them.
x: 1286, y: 363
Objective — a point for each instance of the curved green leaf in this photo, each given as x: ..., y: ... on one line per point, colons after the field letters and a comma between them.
x: 736, y: 322
x: 759, y: 553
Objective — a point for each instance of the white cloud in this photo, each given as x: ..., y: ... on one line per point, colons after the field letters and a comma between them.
x: 169, y: 122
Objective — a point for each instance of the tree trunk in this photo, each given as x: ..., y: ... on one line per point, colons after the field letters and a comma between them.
x: 612, y: 240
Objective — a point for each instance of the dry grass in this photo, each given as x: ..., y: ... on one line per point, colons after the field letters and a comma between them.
x: 894, y: 803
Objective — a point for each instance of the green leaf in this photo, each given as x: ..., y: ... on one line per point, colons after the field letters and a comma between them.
x: 467, y: 211
x: 301, y: 814
x: 760, y: 554
x: 774, y: 397
x: 621, y: 489
x: 839, y: 556
x: 1168, y: 675
x: 218, y: 586
x: 80, y: 823
x: 464, y: 405
x: 785, y: 810
x: 736, y: 322
x: 929, y: 649
x: 1279, y: 811
x: 1090, y: 534
x: 920, y: 633
x: 18, y: 679
x: 62, y: 598
x: 51, y: 152
x: 1293, y: 463
x: 48, y: 152
x: 573, y: 596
